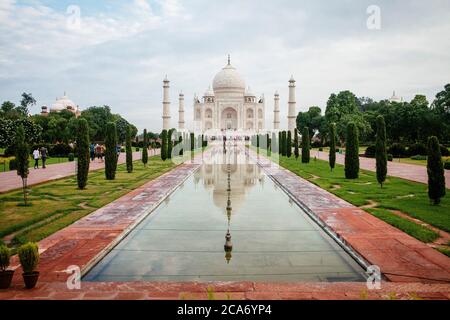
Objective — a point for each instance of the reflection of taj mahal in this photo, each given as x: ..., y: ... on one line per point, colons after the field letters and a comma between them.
x: 229, y: 106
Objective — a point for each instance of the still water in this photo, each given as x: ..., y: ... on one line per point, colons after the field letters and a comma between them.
x: 227, y: 222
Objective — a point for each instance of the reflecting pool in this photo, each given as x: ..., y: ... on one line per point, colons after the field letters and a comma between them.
x: 227, y: 222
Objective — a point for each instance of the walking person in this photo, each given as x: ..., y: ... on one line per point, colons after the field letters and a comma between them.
x: 44, y: 156
x: 36, y: 158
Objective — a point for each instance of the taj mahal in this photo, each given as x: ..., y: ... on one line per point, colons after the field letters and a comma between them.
x: 230, y: 106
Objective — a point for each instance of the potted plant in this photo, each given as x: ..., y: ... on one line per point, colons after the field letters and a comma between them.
x: 29, y: 259
x: 5, y: 275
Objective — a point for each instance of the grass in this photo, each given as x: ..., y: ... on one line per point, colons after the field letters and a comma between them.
x: 4, y: 162
x: 397, y: 194
x: 58, y: 204
x: 416, y: 162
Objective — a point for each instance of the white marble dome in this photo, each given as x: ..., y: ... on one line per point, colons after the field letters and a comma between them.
x: 228, y: 79
x: 63, y: 103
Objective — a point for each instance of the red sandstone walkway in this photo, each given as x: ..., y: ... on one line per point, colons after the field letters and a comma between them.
x: 402, y: 170
x: 11, y: 181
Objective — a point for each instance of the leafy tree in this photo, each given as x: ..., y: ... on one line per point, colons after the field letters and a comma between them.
x: 164, y: 145
x: 352, y: 152
x: 22, y: 159
x: 26, y: 102
x: 435, y: 169
x: 305, y: 145
x: 111, y: 152
x: 311, y: 119
x: 83, y: 153
x: 289, y: 144
x: 129, y: 151
x: 380, y: 151
x: 296, y: 150
x: 441, y: 105
x: 8, y: 132
x: 145, y: 149
x: 332, y: 154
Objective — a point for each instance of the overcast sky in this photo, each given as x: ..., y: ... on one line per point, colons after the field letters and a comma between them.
x: 119, y: 51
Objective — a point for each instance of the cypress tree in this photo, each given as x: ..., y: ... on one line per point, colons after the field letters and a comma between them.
x: 22, y: 159
x: 169, y: 144
x: 296, y: 151
x: 128, y: 150
x: 164, y: 145
x: 305, y: 145
x: 332, y: 154
x: 352, y: 152
x: 83, y: 153
x: 289, y: 144
x: 145, y: 149
x: 181, y: 143
x: 380, y: 151
x: 192, y: 141
x: 280, y: 143
x: 283, y: 143
x: 111, y: 152
x: 435, y: 170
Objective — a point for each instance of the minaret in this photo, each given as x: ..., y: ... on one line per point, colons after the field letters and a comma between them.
x: 292, y: 105
x: 276, y: 112
x: 166, y: 105
x: 181, y: 112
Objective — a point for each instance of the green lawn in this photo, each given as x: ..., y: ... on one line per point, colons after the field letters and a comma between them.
x: 4, y: 162
x: 58, y: 204
x: 397, y: 194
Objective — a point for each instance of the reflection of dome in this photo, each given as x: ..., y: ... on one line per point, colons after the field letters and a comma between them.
x: 228, y: 79
x: 64, y: 103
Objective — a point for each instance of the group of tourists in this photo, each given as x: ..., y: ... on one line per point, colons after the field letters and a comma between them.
x: 97, y: 151
x: 40, y: 153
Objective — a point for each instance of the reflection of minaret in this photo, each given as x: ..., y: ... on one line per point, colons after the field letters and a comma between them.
x: 228, y: 247
x: 181, y: 112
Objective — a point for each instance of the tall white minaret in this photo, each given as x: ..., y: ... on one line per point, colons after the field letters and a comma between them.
x: 276, y: 112
x: 181, y: 112
x: 292, y: 105
x: 166, y: 105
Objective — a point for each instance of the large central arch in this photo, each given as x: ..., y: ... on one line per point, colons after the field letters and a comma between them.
x: 229, y: 120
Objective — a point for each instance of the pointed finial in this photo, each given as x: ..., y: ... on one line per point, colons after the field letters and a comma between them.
x: 229, y: 60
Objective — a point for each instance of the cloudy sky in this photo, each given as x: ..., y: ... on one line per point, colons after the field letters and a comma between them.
x: 118, y: 52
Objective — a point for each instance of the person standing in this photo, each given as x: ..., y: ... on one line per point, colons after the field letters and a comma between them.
x: 36, y: 158
x: 44, y: 156
x: 92, y: 151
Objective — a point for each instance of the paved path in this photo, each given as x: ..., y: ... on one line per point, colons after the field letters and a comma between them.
x: 11, y: 181
x: 402, y: 170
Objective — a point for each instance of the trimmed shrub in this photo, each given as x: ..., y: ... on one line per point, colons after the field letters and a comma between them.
x: 316, y: 144
x: 447, y: 164
x: 305, y: 145
x: 380, y: 151
x: 435, y: 169
x: 370, y: 151
x: 418, y: 157
x: 398, y: 150
x: 444, y: 151
x: 352, y: 152
x: 128, y: 150
x: 5, y: 256
x: 83, y: 153
x: 138, y: 149
x: 110, y: 152
x: 296, y: 147
x: 29, y: 257
x: 12, y: 164
x: 417, y: 149
x: 144, y: 157
x: 289, y: 144
x: 332, y: 154
x: 71, y: 157
x: 390, y: 157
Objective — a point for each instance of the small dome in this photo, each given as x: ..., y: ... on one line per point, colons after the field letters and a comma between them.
x: 63, y: 103
x: 228, y: 78
x: 209, y: 93
x: 249, y: 93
